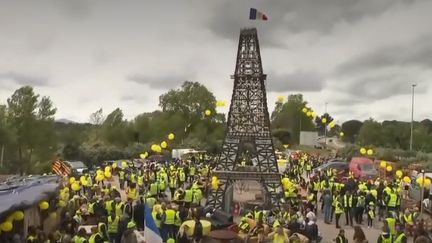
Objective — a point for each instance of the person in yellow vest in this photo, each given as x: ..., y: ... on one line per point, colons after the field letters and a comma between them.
x: 390, y: 221
x: 113, y: 222
x: 408, y: 220
x: 154, y: 189
x: 156, y: 216
x: 400, y: 236
x: 197, y: 197
x: 279, y: 235
x: 119, y: 206
x: 347, y: 203
x: 181, y: 176
x: 121, y: 176
x: 109, y: 203
x: 341, y: 237
x: 192, y: 172
x: 370, y: 214
x: 32, y: 235
x: 244, y: 226
x: 80, y: 237
x: 385, y: 236
x: 132, y: 193
x: 173, y: 184
x: 78, y: 218
x: 179, y: 195
x: 392, y: 200
x: 168, y: 220
x: 338, y: 210
x: 95, y: 236
x: 188, y: 197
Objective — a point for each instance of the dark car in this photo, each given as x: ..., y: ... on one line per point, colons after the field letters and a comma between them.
x: 341, y: 167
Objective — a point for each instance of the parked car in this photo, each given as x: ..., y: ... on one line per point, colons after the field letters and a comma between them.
x: 364, y: 168
x: 341, y: 167
x: 77, y: 167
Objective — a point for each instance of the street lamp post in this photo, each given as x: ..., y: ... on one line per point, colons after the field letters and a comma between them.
x: 412, y: 116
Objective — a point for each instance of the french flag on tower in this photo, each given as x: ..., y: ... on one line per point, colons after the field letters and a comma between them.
x: 255, y: 14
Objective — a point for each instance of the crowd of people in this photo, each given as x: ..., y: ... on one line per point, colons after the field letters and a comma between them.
x: 113, y: 199
x: 348, y: 201
x: 172, y: 191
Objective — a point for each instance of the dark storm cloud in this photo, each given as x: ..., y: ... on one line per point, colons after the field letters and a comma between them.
x: 297, y: 81
x: 379, y: 87
x: 160, y: 82
x: 24, y: 79
x: 415, y: 54
x: 293, y: 16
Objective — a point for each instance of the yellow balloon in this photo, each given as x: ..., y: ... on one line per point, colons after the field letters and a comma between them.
x: 124, y: 164
x: 142, y: 156
x: 341, y: 134
x: 207, y: 112
x: 332, y: 124
x: 82, y: 178
x: 18, y: 215
x: 71, y: 180
x: 114, y: 165
x: 6, y: 226
x: 154, y: 147
x: 158, y: 149
x: 389, y: 168
x: 308, y: 113
x: 84, y: 182
x: 76, y: 186
x: 99, y: 172
x: 215, y: 184
x: 171, y: 136
x: 369, y: 152
x: 164, y: 145
x: 399, y: 173
x: 214, y: 178
x: 383, y: 164
x: 280, y: 99
x: 324, y: 120
x: 100, y: 177
x: 313, y: 114
x: 107, y: 174
x: 44, y: 205
x: 406, y: 179
x: 107, y: 168
x: 53, y: 215
x: 363, y: 151
x: 305, y: 110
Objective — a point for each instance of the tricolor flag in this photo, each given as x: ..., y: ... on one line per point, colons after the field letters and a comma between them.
x: 255, y: 14
x: 151, y: 232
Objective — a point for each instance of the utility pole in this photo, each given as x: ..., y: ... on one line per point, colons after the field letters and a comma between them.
x: 325, y: 127
x: 412, y: 116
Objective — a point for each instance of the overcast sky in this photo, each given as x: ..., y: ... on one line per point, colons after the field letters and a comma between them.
x: 359, y: 56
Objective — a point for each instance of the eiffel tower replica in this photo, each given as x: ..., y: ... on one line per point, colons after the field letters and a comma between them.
x: 248, y: 122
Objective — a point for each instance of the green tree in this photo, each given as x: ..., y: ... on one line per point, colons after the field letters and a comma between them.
x: 31, y: 122
x: 351, y: 130
x: 192, y: 99
x: 288, y: 119
x: 370, y: 133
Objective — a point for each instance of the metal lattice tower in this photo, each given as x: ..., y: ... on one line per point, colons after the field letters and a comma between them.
x: 248, y: 121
